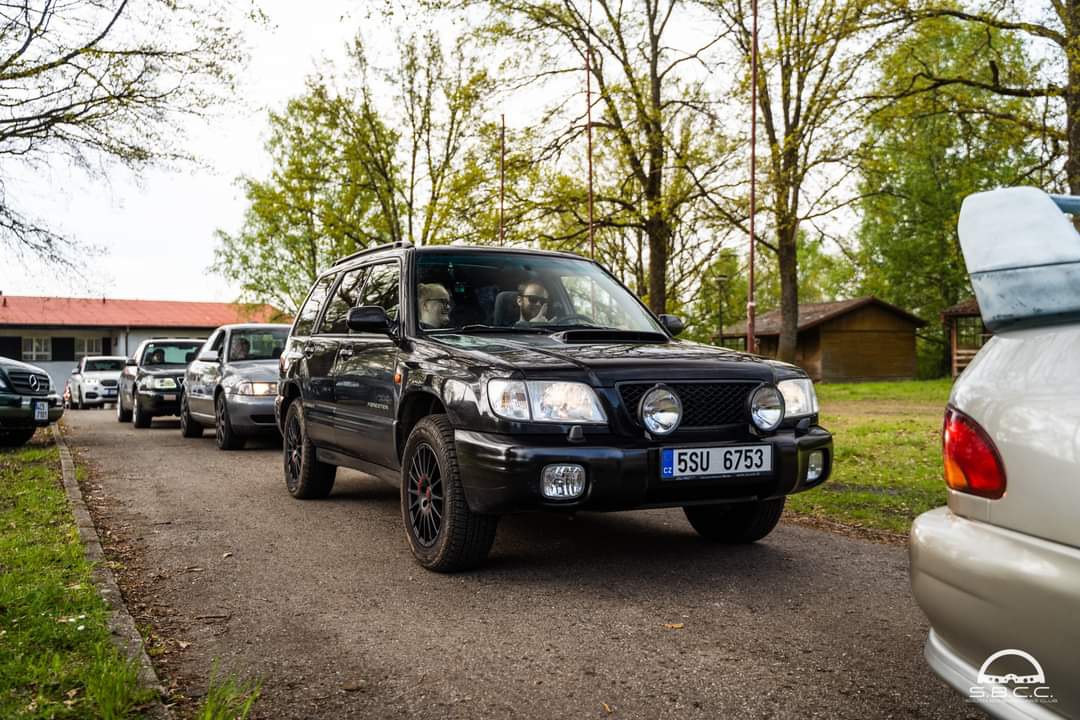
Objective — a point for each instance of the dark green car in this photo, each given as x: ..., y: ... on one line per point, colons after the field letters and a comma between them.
x: 27, y: 401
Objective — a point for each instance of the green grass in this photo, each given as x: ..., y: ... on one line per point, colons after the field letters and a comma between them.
x: 887, y: 439
x: 56, y: 656
x: 228, y: 698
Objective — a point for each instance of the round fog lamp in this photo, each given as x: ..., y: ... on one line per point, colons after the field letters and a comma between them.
x: 660, y: 410
x: 767, y: 408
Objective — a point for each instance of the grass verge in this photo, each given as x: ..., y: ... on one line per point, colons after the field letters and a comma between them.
x: 56, y: 656
x: 887, y: 439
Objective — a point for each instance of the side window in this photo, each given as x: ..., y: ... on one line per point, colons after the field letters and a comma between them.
x: 214, y: 343
x: 382, y: 288
x: 305, y: 319
x: 346, y: 296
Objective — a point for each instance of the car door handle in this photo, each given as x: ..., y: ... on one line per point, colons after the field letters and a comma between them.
x: 309, y: 351
x: 346, y: 351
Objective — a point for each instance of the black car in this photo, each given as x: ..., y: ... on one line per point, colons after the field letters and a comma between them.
x: 28, y: 401
x: 153, y: 379
x: 490, y: 381
x: 232, y: 383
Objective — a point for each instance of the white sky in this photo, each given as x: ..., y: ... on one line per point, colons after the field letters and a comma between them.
x: 157, y: 229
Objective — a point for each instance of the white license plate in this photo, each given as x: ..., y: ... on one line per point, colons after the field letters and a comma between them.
x: 41, y: 411
x: 108, y: 392
x: 169, y: 397
x: 676, y: 463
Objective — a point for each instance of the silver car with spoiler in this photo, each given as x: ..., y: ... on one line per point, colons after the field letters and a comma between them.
x: 997, y: 572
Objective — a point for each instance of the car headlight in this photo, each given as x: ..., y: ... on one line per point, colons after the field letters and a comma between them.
x: 766, y: 408
x: 256, y: 388
x: 545, y: 401
x: 799, y: 397
x: 158, y: 383
x: 660, y: 410
x: 3, y: 383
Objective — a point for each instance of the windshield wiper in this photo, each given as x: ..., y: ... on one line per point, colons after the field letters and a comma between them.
x: 481, y: 328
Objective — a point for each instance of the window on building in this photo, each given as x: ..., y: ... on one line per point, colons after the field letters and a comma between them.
x: 970, y: 333
x: 37, y: 349
x: 87, y: 346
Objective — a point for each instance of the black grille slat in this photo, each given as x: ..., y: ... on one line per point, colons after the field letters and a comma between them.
x: 704, y: 404
x: 108, y: 383
x: 20, y: 382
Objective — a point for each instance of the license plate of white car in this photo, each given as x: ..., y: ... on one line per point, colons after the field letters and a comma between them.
x: 168, y: 398
x: 108, y: 392
x: 679, y: 463
x: 41, y: 411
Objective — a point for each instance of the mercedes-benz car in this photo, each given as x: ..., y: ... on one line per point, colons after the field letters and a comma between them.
x: 997, y: 571
x: 153, y: 379
x: 232, y: 383
x: 27, y: 401
x: 483, y: 382
x: 95, y: 381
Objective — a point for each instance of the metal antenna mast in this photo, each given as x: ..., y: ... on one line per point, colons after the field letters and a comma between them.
x: 751, y: 343
x: 502, y: 179
x: 588, y: 124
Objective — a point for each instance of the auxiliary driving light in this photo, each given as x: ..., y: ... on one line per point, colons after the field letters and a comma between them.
x: 562, y: 482
x: 815, y: 465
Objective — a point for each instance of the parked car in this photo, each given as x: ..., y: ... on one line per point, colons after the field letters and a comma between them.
x: 997, y: 571
x: 153, y: 379
x: 232, y: 383
x: 27, y: 402
x: 95, y: 381
x: 490, y: 381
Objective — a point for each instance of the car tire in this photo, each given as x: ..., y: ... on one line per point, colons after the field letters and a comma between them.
x: 306, y: 478
x: 224, y: 434
x: 79, y: 403
x: 122, y: 415
x: 736, y: 523
x: 139, y: 417
x: 16, y: 437
x: 452, y: 538
x: 189, y: 428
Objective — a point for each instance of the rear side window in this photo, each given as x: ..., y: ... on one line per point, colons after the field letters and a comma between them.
x: 345, y: 297
x: 305, y: 319
x: 382, y: 288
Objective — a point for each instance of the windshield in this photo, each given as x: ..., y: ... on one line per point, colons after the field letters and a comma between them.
x: 104, y: 365
x: 257, y: 343
x: 521, y: 292
x: 170, y: 353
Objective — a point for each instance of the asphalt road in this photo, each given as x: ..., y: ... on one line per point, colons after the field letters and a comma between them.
x: 322, y: 600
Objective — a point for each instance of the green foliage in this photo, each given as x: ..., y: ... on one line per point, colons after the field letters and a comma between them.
x: 925, y: 152
x: 57, y: 659
x: 228, y: 698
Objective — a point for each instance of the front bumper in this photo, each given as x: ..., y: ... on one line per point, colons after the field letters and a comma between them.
x: 501, y: 473
x: 252, y: 413
x: 17, y: 411
x: 99, y: 395
x: 984, y: 589
x: 159, y: 402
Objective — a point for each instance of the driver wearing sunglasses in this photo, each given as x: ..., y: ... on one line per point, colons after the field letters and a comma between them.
x: 532, y: 300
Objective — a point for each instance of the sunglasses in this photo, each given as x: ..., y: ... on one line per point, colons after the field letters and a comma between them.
x: 446, y: 304
x: 536, y: 299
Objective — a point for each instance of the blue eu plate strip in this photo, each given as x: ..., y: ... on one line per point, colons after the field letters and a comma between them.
x: 667, y: 463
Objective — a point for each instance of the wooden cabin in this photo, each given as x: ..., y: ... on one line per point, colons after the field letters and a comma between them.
x: 847, y: 340
x: 966, y: 332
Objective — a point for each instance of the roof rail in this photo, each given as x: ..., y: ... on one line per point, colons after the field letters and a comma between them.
x: 366, y: 251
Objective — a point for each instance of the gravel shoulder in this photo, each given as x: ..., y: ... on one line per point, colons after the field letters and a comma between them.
x: 601, y: 615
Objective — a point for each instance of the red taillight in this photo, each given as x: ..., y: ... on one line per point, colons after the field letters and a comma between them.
x: 972, y: 463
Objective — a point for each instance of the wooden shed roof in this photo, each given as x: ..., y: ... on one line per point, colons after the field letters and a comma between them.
x: 963, y: 308
x: 814, y: 314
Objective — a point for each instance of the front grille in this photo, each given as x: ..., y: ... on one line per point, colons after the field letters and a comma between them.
x: 108, y: 383
x: 22, y: 383
x: 705, y: 404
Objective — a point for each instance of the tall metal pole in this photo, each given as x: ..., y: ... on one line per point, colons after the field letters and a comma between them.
x: 502, y: 179
x: 751, y: 341
x: 588, y: 125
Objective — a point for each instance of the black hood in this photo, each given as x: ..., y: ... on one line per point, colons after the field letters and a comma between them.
x: 172, y: 371
x: 606, y: 363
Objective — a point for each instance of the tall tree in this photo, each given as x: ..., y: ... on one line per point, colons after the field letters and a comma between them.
x: 88, y: 80
x: 924, y: 153
x: 813, y: 55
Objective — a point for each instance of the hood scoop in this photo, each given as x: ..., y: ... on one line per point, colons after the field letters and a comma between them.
x: 591, y: 337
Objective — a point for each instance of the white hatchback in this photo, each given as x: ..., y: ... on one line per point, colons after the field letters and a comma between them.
x: 997, y: 572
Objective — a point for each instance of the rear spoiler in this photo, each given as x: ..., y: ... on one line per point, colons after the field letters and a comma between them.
x: 1023, y: 256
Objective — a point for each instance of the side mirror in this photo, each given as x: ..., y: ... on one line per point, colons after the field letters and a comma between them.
x: 672, y: 323
x: 369, y: 319
x: 130, y: 362
x: 74, y: 371
x: 209, y: 356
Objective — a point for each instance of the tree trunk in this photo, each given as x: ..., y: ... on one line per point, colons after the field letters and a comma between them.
x: 658, y: 233
x: 789, y: 291
x: 1072, y: 98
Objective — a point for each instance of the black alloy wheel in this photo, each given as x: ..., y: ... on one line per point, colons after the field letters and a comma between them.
x: 188, y: 427
x: 306, y: 477
x: 122, y: 415
x: 226, y: 437
x: 79, y: 403
x: 443, y: 533
x: 139, y: 417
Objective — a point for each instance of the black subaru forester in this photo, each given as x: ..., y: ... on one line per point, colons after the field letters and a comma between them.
x: 488, y: 381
